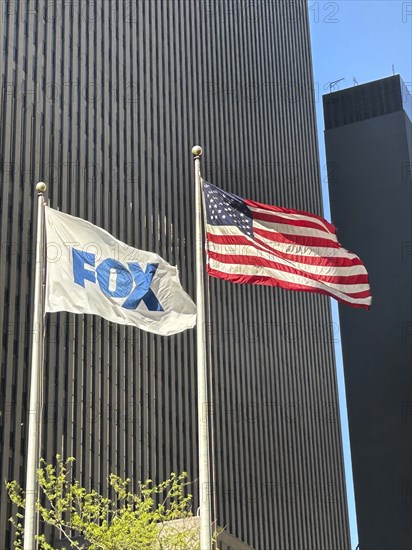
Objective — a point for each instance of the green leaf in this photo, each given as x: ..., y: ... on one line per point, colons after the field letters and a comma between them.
x: 130, y: 521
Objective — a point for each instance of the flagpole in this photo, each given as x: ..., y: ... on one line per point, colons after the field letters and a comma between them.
x: 36, y: 362
x: 204, y: 466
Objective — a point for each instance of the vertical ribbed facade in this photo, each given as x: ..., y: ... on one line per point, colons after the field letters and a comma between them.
x: 103, y: 101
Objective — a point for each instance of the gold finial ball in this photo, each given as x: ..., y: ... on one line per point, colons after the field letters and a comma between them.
x: 41, y: 187
x: 197, y: 151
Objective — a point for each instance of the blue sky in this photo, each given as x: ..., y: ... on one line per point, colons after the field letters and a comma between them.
x: 361, y: 39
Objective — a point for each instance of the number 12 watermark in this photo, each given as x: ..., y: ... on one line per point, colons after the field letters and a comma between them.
x: 324, y: 12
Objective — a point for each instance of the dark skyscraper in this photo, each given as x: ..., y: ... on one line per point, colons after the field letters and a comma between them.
x: 103, y: 101
x: 369, y: 151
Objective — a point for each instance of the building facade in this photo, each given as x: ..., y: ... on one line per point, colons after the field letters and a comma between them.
x: 368, y: 135
x: 103, y: 101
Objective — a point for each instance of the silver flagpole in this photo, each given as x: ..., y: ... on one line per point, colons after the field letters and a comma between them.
x: 204, y: 467
x: 36, y: 361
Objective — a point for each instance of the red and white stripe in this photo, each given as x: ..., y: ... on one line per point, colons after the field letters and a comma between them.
x: 291, y: 249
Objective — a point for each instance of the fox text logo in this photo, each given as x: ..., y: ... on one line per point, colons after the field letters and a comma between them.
x: 117, y: 280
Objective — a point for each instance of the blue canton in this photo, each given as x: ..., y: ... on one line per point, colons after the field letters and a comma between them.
x: 223, y: 208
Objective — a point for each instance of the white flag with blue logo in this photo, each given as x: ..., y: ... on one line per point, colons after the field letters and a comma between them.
x: 89, y: 271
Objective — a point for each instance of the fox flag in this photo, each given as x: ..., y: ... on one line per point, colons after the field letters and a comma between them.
x: 89, y: 271
x: 249, y: 242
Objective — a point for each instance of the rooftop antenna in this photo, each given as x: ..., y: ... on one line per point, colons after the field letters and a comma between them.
x: 355, y: 82
x: 333, y: 84
x: 393, y: 69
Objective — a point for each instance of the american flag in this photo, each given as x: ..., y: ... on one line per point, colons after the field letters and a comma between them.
x: 249, y: 242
